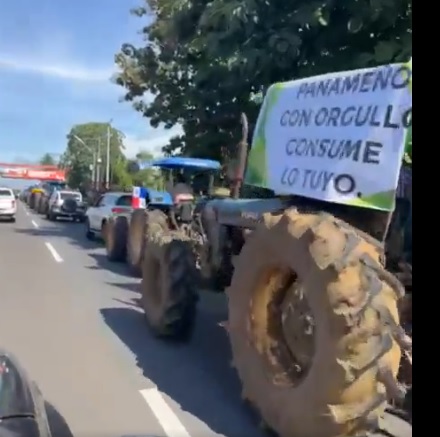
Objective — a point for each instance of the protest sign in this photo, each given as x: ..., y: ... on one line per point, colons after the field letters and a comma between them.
x: 338, y: 137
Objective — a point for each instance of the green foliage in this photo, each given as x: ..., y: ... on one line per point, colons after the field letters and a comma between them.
x: 48, y: 159
x: 119, y: 175
x: 78, y: 156
x: 151, y: 178
x: 87, y: 143
x: 204, y: 62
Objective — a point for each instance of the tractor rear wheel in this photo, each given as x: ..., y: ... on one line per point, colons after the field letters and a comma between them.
x: 116, y: 238
x: 140, y: 223
x: 40, y: 205
x: 35, y: 201
x: 168, y: 285
x: 314, y: 326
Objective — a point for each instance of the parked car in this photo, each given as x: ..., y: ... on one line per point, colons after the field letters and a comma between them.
x: 66, y: 204
x: 108, y: 205
x: 8, y: 204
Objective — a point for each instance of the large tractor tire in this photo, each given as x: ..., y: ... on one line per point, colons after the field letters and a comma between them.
x: 115, y: 238
x: 32, y: 200
x: 40, y: 205
x: 140, y: 224
x: 43, y: 206
x: 37, y: 199
x: 168, y: 285
x: 314, y: 326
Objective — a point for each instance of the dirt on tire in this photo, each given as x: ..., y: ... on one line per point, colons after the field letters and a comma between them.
x: 35, y: 200
x: 39, y: 207
x: 42, y: 205
x: 116, y: 230
x: 314, y: 326
x: 168, y: 285
x: 140, y: 224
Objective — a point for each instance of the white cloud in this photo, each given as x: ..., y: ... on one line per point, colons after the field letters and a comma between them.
x: 151, y: 142
x: 66, y: 72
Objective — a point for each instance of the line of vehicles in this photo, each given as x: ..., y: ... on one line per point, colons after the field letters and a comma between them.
x: 313, y: 302
x: 55, y: 200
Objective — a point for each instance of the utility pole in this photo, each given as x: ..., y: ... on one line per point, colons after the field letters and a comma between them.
x: 107, y: 160
x: 93, y: 167
x: 98, y: 166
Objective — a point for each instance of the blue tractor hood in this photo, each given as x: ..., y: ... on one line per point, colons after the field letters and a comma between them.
x: 156, y: 197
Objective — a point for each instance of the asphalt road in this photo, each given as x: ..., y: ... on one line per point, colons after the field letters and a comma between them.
x: 72, y: 319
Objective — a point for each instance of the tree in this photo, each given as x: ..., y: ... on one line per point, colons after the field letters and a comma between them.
x: 79, y: 157
x: 120, y: 176
x: 205, y: 61
x: 148, y: 177
x: 47, y: 159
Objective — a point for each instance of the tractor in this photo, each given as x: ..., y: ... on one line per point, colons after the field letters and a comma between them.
x: 119, y: 234
x: 33, y: 196
x: 48, y: 187
x: 300, y: 247
x: 38, y: 194
x: 127, y: 231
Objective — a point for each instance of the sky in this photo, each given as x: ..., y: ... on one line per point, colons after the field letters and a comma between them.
x: 56, y: 60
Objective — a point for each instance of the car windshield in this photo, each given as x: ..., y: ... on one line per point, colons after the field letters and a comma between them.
x: 65, y: 196
x: 5, y: 192
x: 57, y: 185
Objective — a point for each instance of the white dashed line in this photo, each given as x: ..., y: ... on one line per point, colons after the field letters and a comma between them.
x: 54, y: 253
x: 35, y: 224
x: 170, y: 423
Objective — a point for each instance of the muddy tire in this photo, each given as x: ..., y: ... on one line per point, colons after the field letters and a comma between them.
x: 140, y: 223
x: 45, y: 206
x: 37, y: 200
x: 35, y: 197
x: 115, y: 238
x: 42, y: 205
x: 37, y: 203
x: 168, y: 285
x: 328, y: 370
x: 38, y: 206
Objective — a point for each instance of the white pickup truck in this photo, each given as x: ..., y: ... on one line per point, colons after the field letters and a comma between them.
x: 8, y: 204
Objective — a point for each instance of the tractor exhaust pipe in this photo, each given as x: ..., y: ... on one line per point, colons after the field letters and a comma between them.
x: 242, y: 157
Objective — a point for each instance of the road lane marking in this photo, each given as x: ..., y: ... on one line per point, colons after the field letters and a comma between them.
x: 53, y: 252
x: 35, y: 224
x: 166, y: 417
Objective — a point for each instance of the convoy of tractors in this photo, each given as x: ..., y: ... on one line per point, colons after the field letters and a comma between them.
x: 313, y: 288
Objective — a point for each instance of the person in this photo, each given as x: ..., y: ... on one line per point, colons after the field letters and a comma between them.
x: 181, y: 190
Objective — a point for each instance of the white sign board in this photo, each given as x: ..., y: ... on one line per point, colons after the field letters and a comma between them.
x: 338, y: 137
